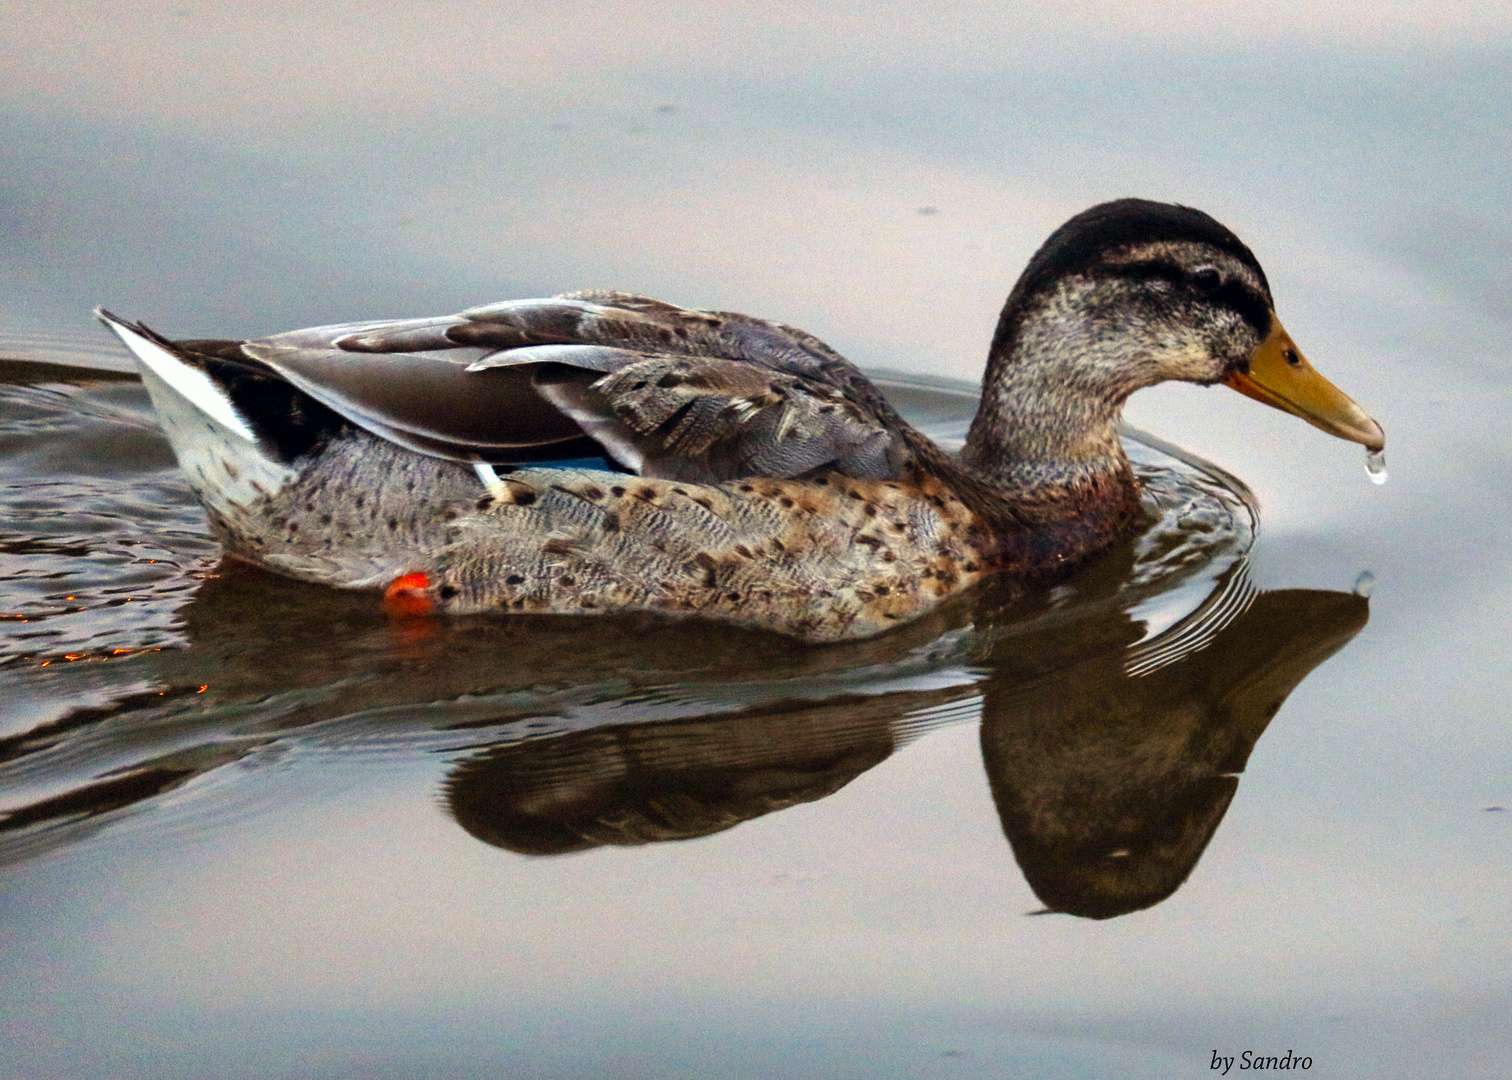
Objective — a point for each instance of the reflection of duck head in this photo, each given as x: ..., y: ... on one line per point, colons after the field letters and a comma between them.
x: 1110, y: 786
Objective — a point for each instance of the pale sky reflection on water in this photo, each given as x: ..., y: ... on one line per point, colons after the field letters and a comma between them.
x: 256, y: 167
x: 269, y: 64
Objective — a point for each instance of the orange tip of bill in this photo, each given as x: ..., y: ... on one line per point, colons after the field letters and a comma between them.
x: 406, y: 596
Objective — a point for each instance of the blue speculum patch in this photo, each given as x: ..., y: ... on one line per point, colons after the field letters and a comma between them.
x: 598, y: 462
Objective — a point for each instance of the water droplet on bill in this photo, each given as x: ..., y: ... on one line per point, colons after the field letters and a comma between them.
x: 1364, y: 583
x: 1375, y: 466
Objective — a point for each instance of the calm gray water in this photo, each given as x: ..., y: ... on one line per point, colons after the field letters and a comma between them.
x: 254, y: 829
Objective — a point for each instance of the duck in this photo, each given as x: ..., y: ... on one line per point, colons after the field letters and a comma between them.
x: 604, y: 452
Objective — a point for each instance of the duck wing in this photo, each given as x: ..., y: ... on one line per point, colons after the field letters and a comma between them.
x: 669, y: 392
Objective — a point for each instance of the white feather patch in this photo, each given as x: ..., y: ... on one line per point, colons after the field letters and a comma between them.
x: 496, y: 486
x: 191, y: 383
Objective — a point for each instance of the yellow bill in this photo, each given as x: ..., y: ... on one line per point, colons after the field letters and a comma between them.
x: 1280, y: 376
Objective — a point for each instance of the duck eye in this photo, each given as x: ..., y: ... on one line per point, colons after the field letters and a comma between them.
x: 1207, y: 278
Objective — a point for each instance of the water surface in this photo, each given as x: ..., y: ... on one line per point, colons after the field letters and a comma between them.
x: 256, y: 829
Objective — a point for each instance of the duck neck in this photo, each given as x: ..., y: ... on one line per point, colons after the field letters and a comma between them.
x: 1052, y: 397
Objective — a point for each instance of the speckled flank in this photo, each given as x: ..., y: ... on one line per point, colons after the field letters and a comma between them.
x: 334, y: 524
x: 822, y: 559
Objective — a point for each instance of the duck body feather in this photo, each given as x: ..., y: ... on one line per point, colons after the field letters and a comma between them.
x: 727, y: 467
x: 838, y: 519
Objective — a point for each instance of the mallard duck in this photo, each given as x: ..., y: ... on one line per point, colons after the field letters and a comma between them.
x: 606, y: 452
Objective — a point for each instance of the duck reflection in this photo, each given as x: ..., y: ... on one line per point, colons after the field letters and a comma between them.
x: 1110, y: 770
x: 671, y: 781
x: 1111, y: 758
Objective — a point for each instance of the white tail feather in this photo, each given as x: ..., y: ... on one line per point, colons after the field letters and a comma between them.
x: 192, y: 384
x: 218, y: 451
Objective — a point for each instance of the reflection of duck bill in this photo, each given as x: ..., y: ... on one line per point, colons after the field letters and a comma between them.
x: 1110, y: 786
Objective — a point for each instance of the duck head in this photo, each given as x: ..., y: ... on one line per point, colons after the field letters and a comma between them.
x: 1123, y: 296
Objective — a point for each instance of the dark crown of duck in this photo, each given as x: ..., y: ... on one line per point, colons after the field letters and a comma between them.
x: 1123, y: 296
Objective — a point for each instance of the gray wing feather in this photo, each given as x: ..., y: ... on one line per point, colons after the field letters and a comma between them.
x: 670, y: 392
x: 708, y: 420
x: 429, y: 403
